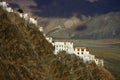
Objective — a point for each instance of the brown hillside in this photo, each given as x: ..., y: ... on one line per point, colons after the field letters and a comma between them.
x: 26, y: 55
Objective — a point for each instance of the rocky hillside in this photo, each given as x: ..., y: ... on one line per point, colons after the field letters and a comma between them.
x: 26, y: 55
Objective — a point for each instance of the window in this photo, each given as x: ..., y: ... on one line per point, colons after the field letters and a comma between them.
x: 82, y: 53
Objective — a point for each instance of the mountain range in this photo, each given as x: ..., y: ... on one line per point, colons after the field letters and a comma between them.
x: 91, y: 19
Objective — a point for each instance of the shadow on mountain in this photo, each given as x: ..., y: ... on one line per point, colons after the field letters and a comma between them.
x: 81, y: 28
x: 68, y: 8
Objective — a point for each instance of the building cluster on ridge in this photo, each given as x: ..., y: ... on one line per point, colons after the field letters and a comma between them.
x: 26, y: 16
x: 82, y: 52
x: 67, y: 46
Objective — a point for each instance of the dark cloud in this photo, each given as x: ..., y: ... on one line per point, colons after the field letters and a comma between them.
x: 66, y: 8
x: 92, y: 1
x: 81, y: 28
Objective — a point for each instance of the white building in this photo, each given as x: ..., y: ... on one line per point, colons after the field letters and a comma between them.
x: 41, y: 29
x: 99, y: 62
x: 82, y: 52
x: 3, y: 4
x: 63, y: 46
x: 8, y: 9
x: 92, y: 57
x: 49, y: 39
x: 23, y: 15
x: 32, y: 21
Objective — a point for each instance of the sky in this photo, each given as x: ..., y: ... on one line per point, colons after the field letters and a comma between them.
x: 69, y: 7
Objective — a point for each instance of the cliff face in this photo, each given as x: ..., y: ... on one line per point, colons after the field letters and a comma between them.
x: 26, y: 55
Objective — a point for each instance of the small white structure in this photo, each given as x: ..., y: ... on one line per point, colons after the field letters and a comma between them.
x: 92, y: 57
x: 32, y: 21
x: 3, y: 4
x: 21, y: 15
x: 99, y: 62
x: 44, y: 35
x: 24, y: 15
x: 96, y: 61
x: 9, y: 9
x: 41, y: 29
x: 49, y: 39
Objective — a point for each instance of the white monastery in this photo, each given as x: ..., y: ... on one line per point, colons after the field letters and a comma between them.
x: 82, y: 52
x: 67, y: 46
